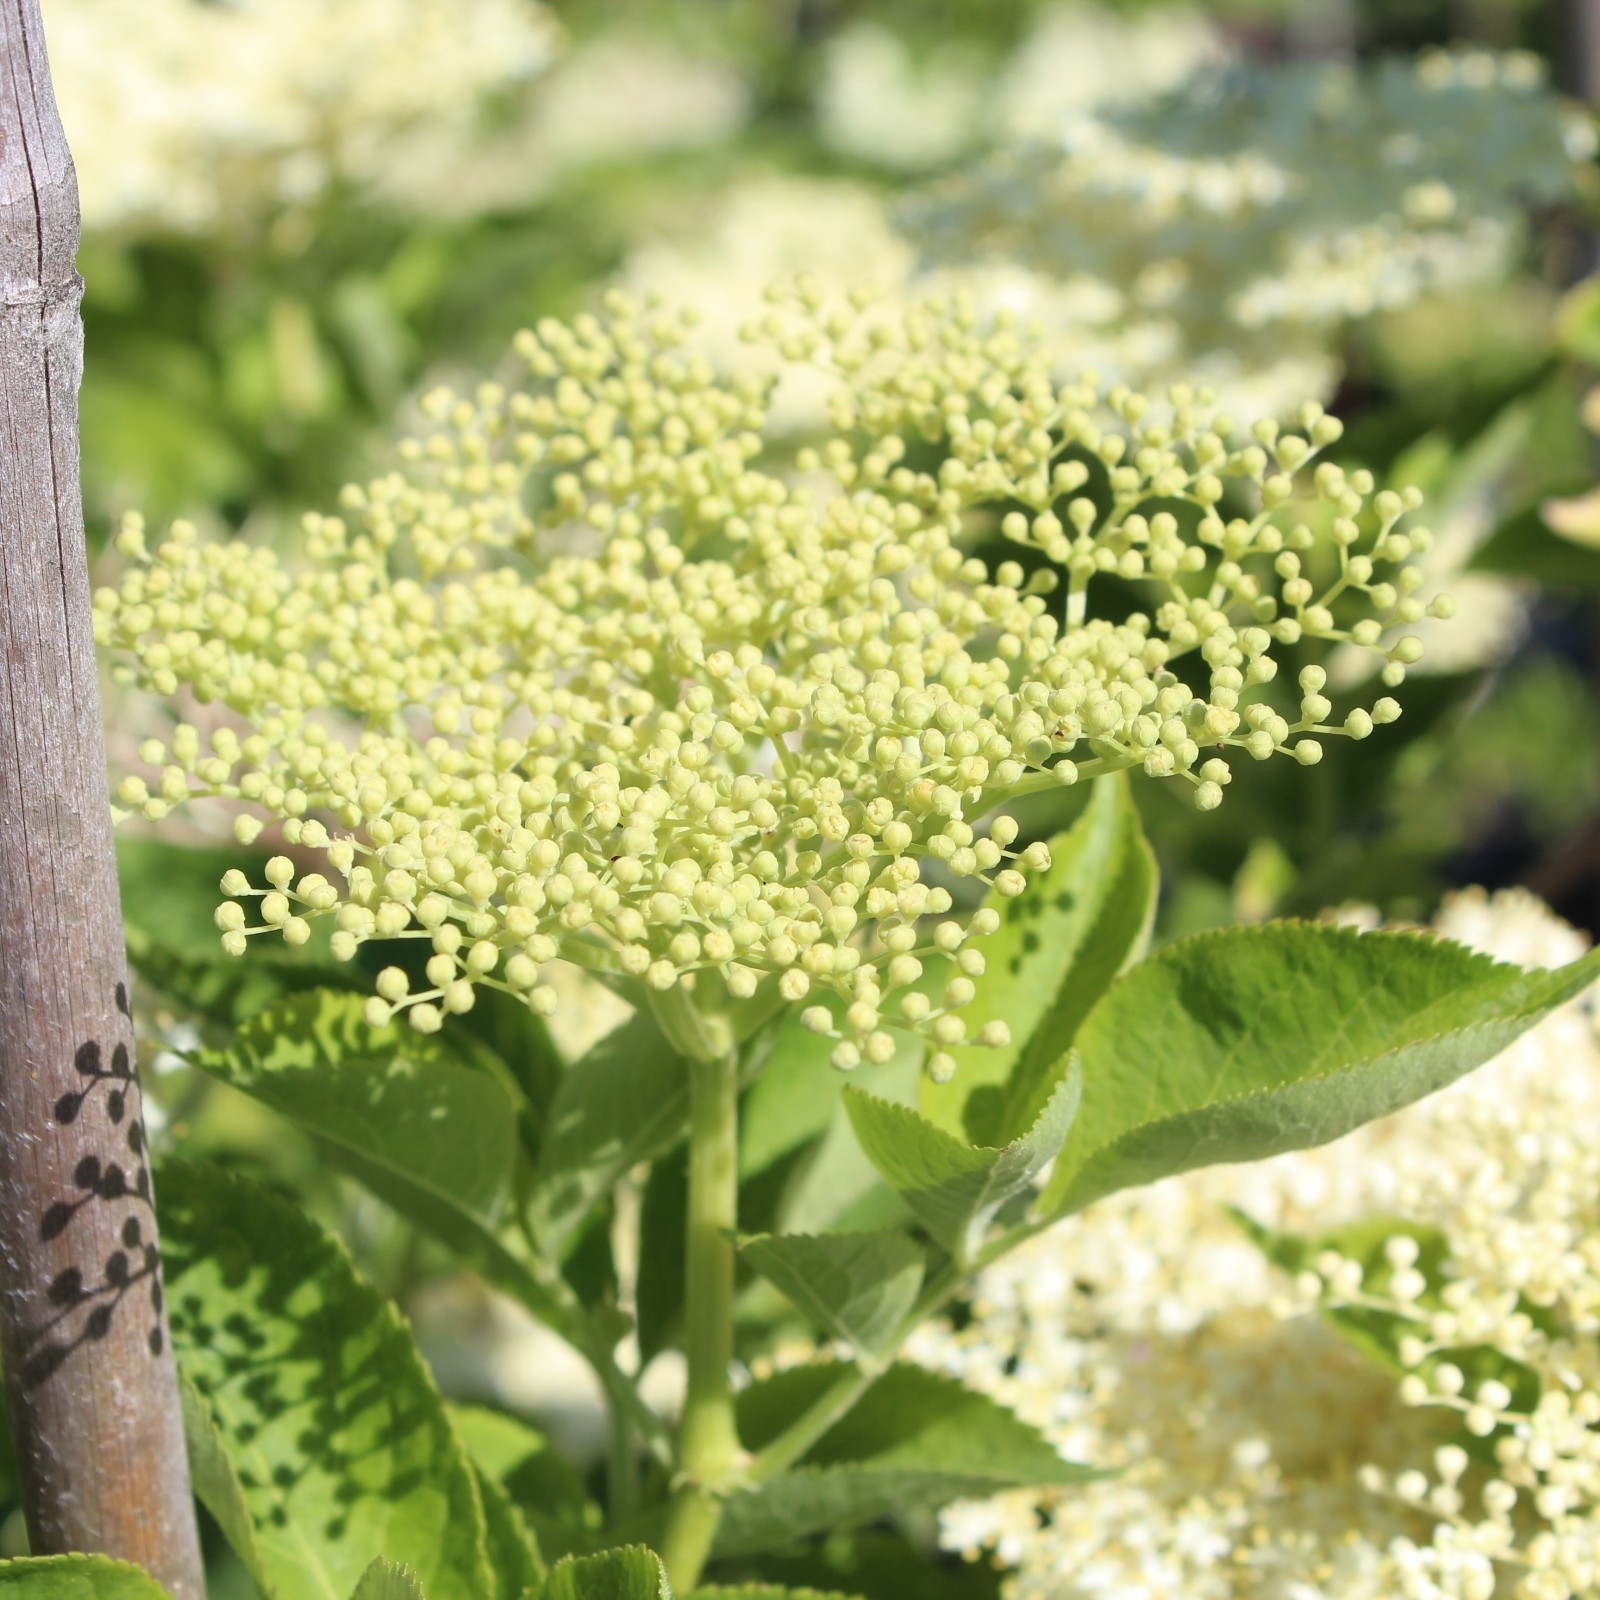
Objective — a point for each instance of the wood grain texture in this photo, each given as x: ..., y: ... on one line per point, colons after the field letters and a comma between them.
x: 89, y: 1371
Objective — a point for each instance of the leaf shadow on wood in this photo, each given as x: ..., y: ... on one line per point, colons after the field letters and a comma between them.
x: 86, y: 1300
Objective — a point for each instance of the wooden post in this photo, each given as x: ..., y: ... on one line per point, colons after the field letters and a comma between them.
x: 83, y: 1332
x: 1578, y: 44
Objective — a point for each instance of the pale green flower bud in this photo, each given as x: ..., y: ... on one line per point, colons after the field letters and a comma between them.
x: 393, y: 984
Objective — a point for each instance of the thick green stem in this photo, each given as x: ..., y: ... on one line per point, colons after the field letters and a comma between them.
x: 708, y: 1454
x: 622, y: 1464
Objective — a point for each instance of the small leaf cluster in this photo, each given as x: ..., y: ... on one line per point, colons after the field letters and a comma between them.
x: 595, y: 674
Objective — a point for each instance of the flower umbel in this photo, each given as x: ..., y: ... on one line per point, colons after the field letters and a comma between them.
x: 592, y: 675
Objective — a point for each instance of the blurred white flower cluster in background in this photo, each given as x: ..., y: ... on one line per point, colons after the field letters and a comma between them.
x: 1233, y: 225
x: 879, y: 103
x: 1156, y: 208
x: 1262, y: 1455
x: 196, y: 118
x: 610, y: 99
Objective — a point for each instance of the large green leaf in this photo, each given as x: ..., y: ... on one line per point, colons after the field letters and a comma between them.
x: 956, y: 1189
x: 1245, y: 1042
x: 217, y: 1486
x: 77, y: 1578
x: 1058, y: 946
x: 385, y: 1580
x: 337, y: 1436
x: 625, y: 1102
x: 633, y: 1573
x: 915, y: 1441
x: 855, y: 1286
x: 419, y: 1124
x: 380, y: 1099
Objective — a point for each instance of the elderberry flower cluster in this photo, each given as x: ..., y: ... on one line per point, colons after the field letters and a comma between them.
x: 593, y: 674
x: 1263, y: 1454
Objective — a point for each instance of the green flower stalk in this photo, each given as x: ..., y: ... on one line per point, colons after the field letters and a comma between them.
x: 594, y: 675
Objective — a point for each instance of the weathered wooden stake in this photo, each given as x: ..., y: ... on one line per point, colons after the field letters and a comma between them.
x: 88, y: 1362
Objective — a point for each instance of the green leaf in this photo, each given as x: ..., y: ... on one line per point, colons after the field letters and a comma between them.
x: 796, y: 1145
x: 426, y: 1131
x: 384, y: 1580
x: 1245, y: 1042
x: 77, y: 1578
x: 379, y: 1100
x: 169, y: 895
x: 956, y: 1189
x: 544, y: 1491
x: 170, y: 892
x: 764, y: 1591
x: 632, y: 1573
x: 855, y: 1286
x: 912, y: 1417
x: 513, y: 1551
x: 625, y: 1102
x: 881, y: 1563
x: 338, y: 1439
x: 915, y: 1441
x: 217, y: 1486
x: 796, y: 1098
x: 1058, y: 946
x: 663, y: 1229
